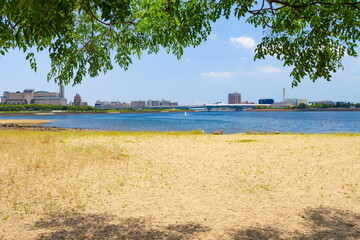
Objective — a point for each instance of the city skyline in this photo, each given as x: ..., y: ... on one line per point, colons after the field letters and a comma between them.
x: 232, y: 98
x: 206, y: 74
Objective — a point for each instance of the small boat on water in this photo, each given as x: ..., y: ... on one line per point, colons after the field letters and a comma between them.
x: 185, y: 114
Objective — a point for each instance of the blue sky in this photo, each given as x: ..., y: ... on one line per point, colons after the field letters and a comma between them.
x: 206, y: 74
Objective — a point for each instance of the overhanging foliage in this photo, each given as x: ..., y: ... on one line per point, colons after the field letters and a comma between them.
x: 82, y: 35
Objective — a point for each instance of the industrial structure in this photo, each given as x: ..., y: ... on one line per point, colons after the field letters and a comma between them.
x: 287, y: 102
x: 30, y: 96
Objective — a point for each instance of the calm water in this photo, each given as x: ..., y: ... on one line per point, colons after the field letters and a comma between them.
x: 231, y: 122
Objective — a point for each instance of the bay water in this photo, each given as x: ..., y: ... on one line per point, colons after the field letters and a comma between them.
x: 230, y: 122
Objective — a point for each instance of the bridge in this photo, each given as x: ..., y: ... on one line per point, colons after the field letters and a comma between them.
x: 209, y: 107
x: 237, y: 106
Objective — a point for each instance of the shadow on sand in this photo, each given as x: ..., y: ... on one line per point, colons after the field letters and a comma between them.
x: 93, y: 226
x: 320, y: 223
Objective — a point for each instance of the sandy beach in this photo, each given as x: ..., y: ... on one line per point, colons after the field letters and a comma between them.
x: 148, y: 185
x: 21, y: 122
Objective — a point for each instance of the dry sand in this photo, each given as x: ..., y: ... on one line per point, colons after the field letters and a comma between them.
x: 106, y: 185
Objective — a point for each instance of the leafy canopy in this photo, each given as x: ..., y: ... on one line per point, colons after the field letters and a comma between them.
x: 87, y: 36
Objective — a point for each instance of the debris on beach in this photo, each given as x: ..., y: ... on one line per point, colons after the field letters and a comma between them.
x: 219, y: 132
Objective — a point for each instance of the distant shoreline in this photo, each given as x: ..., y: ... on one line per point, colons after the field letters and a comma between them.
x: 14, y: 114
x: 307, y: 110
x: 77, y: 113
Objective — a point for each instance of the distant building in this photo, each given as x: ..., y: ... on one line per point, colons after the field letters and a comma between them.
x: 234, y: 98
x: 111, y: 105
x: 153, y: 103
x: 82, y: 104
x: 77, y: 100
x: 134, y: 104
x: 323, y: 102
x: 266, y: 101
x: 101, y: 104
x: 174, y: 104
x: 293, y: 101
x: 165, y: 103
x: 282, y: 104
x: 138, y: 104
x: 14, y: 98
x: 30, y: 96
x: 304, y: 101
x: 53, y: 98
x: 289, y: 102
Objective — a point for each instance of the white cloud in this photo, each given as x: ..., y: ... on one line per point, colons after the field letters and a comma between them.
x: 212, y: 36
x: 246, y: 42
x: 270, y: 69
x: 218, y: 74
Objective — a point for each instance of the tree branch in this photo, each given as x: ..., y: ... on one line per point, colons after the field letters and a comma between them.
x: 108, y: 24
x: 285, y: 4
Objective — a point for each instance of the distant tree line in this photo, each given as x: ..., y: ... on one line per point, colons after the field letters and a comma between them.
x: 328, y: 105
x: 319, y: 105
x: 334, y: 105
x: 46, y: 108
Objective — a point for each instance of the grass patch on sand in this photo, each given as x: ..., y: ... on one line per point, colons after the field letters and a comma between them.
x: 347, y: 134
x: 242, y: 141
x: 246, y: 140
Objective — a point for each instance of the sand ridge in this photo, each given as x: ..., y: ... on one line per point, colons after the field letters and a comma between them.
x: 23, y: 122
